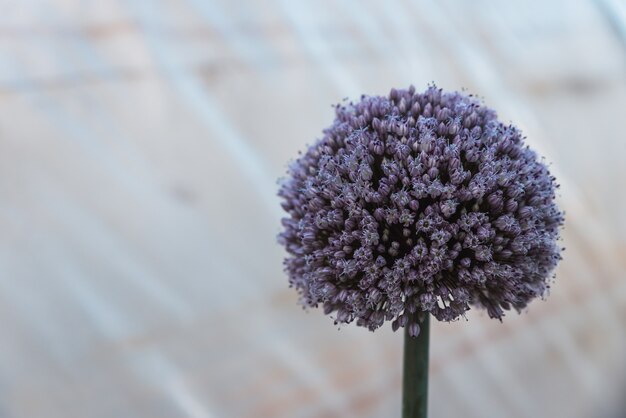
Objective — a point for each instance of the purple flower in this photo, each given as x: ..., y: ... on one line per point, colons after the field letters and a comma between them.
x: 419, y: 202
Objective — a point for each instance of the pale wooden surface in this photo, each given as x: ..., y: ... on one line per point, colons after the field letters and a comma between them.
x: 140, y: 143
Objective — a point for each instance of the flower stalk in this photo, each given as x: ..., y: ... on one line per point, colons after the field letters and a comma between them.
x: 414, y: 205
x: 415, y: 372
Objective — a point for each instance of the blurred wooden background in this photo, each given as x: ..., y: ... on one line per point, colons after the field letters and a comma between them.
x: 140, y: 142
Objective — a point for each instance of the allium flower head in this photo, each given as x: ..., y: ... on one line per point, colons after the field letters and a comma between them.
x: 419, y: 202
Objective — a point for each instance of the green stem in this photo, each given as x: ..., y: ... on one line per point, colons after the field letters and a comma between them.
x: 415, y: 378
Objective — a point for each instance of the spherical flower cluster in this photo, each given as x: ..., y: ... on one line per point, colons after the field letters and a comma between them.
x: 419, y: 203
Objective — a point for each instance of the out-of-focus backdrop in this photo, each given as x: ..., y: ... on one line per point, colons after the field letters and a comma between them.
x: 140, y: 142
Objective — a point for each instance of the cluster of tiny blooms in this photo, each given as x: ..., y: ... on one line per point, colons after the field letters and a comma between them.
x: 418, y: 203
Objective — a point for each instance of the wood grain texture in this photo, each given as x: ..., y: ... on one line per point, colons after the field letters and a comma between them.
x: 140, y: 142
